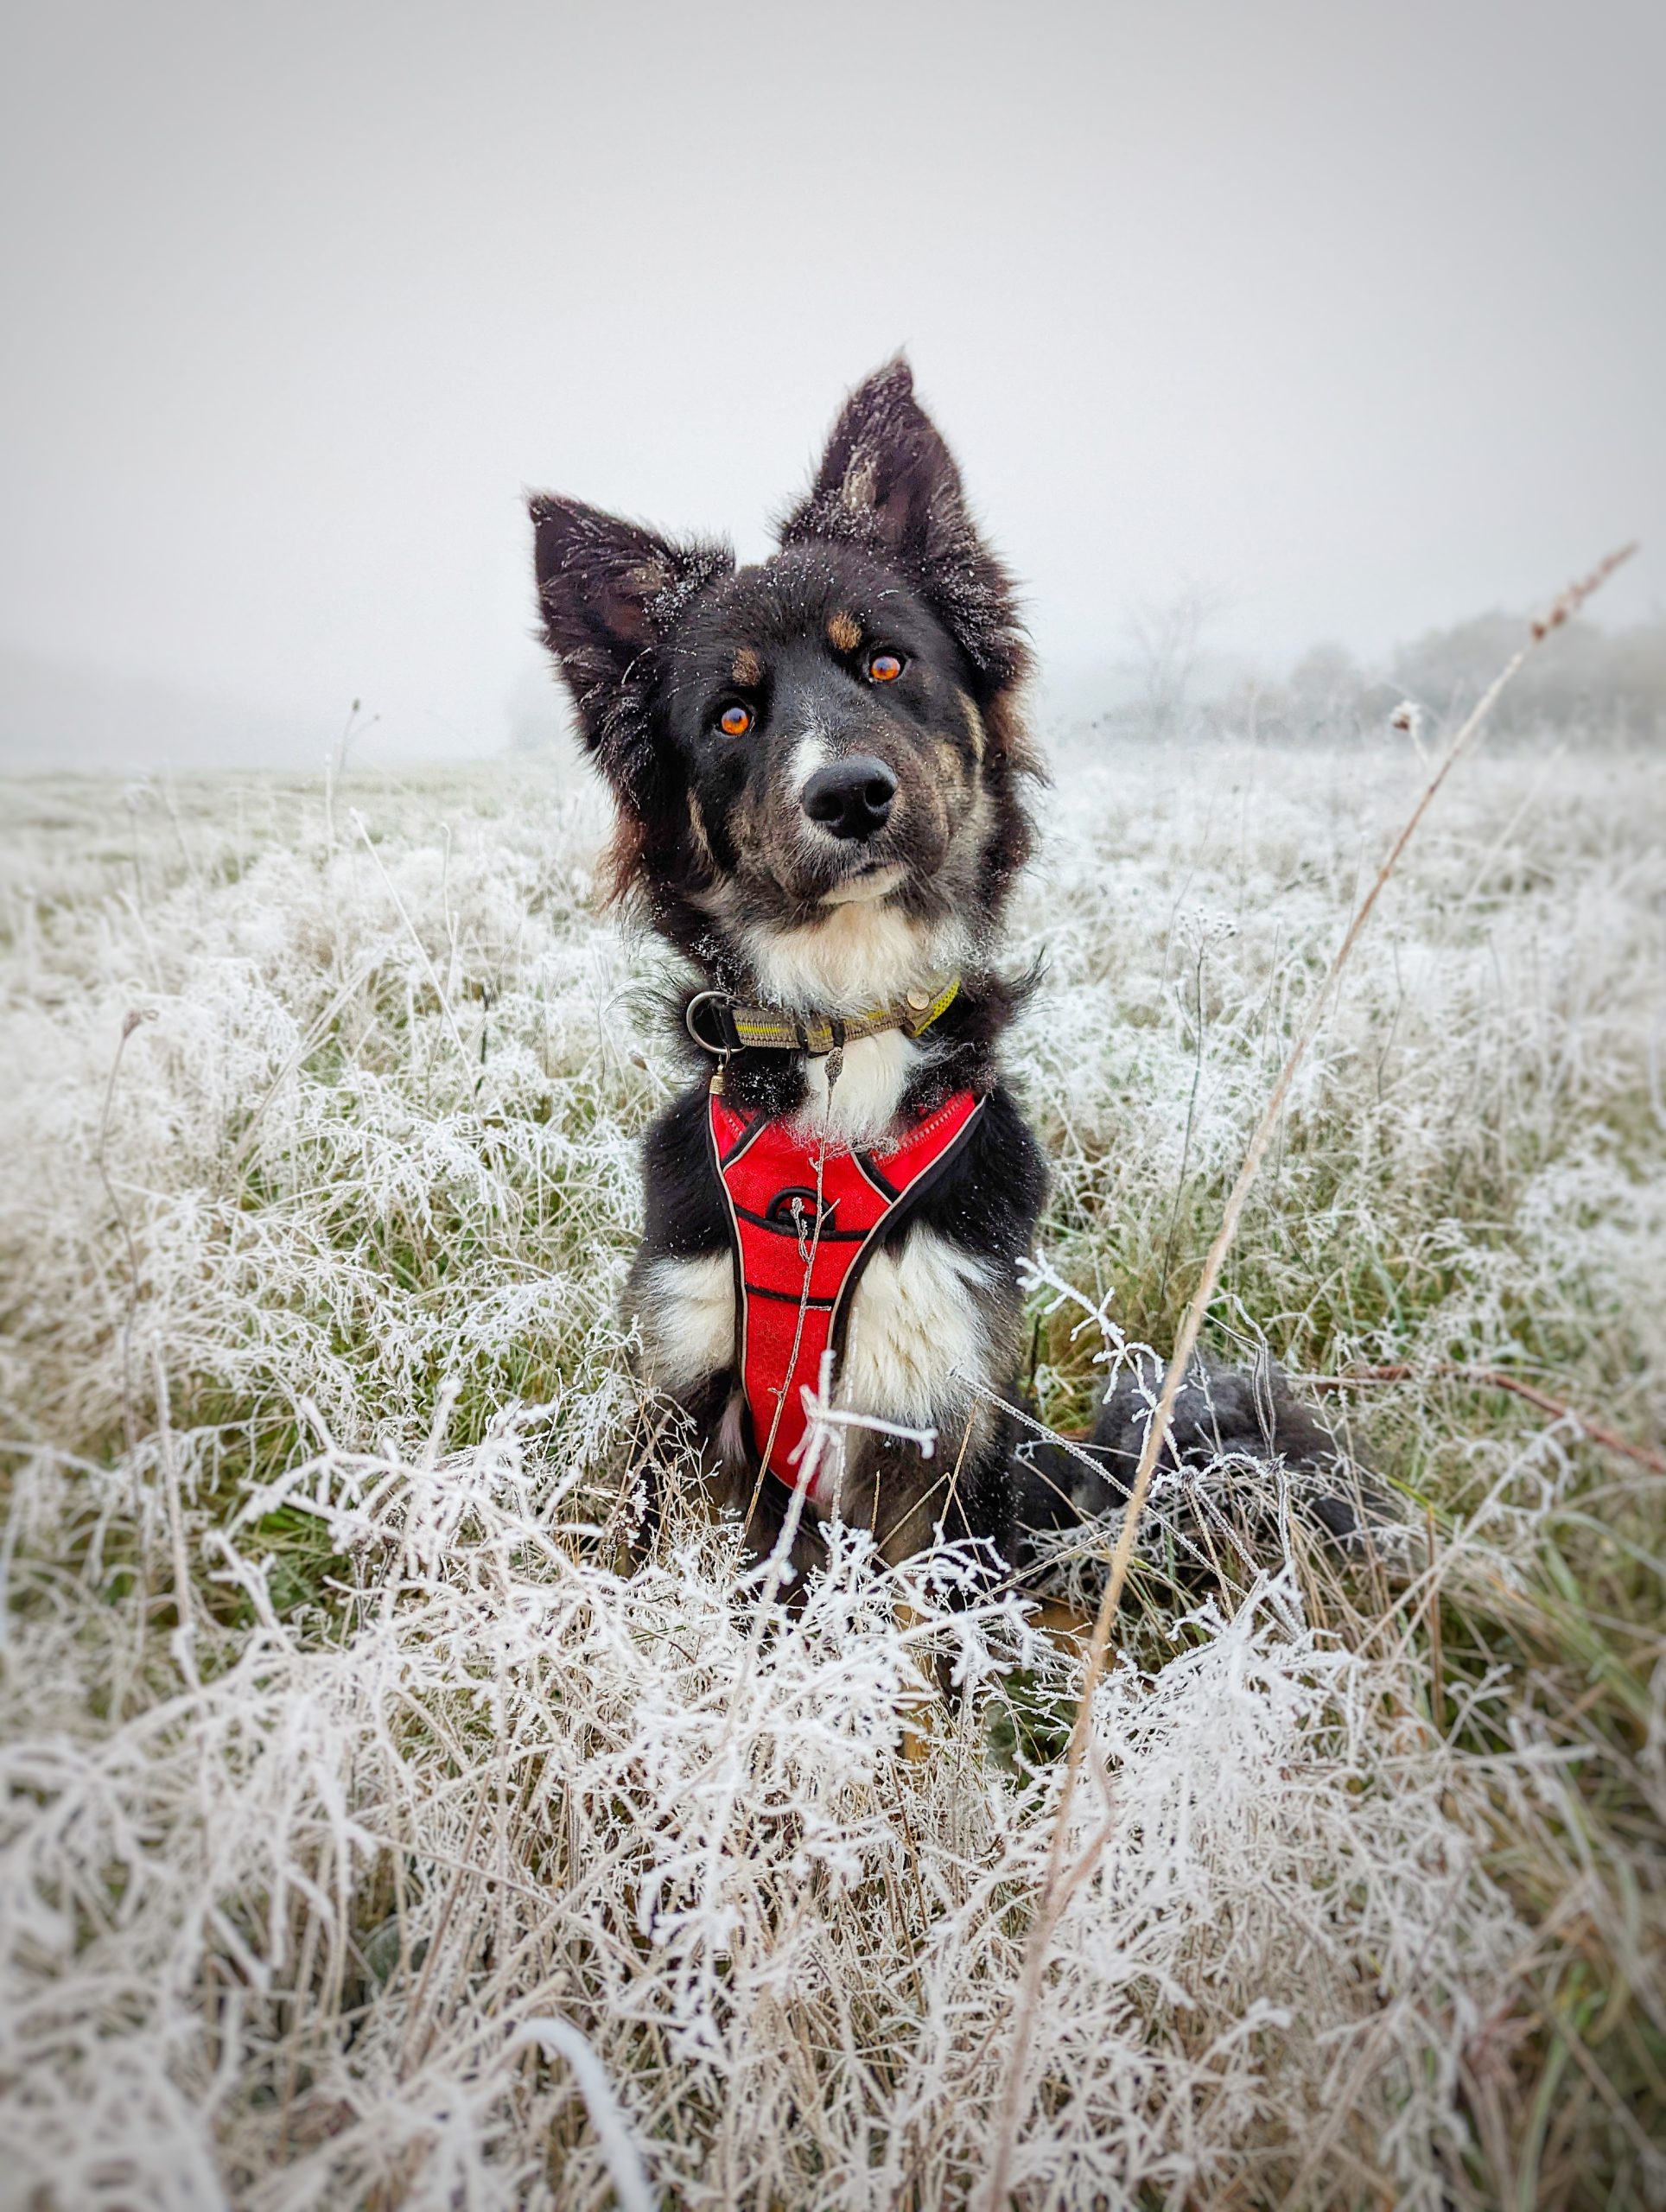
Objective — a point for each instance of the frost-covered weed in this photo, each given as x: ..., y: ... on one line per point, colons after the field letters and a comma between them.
x: 381, y: 1830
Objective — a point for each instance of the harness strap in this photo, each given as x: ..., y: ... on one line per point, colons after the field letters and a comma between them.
x: 798, y: 1257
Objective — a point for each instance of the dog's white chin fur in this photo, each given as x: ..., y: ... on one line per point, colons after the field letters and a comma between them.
x: 859, y: 954
x: 877, y: 885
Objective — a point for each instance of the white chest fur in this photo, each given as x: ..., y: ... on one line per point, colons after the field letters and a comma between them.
x: 863, y: 1102
x: 915, y: 1347
x: 686, y: 1316
x: 915, y: 1330
x: 915, y: 1333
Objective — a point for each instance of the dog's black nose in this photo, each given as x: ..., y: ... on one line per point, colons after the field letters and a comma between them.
x: 851, y: 798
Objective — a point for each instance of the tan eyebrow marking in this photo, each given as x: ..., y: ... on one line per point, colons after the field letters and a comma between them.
x: 844, y: 634
x: 748, y: 669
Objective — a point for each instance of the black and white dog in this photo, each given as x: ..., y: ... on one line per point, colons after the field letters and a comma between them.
x: 821, y: 771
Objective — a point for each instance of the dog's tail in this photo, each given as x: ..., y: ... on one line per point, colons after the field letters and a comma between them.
x: 1245, y: 1423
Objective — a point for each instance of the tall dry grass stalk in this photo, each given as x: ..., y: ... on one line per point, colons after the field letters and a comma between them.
x: 1060, y: 1881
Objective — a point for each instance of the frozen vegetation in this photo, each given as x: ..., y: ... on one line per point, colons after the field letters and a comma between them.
x: 380, y: 1832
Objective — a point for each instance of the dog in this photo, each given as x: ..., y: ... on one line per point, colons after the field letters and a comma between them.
x: 822, y: 779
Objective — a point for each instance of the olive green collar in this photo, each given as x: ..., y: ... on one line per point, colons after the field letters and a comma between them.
x: 720, y: 1025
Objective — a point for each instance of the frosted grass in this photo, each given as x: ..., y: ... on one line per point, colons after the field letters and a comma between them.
x: 381, y: 1830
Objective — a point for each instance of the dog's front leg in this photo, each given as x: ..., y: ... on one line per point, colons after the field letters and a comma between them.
x: 680, y: 1296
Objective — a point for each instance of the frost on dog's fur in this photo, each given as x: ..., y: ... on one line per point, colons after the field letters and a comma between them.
x: 341, y: 1745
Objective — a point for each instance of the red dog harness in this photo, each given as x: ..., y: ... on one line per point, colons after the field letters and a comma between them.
x: 794, y: 1286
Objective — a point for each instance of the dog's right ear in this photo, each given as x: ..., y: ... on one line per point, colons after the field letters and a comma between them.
x: 888, y: 482
x: 607, y: 591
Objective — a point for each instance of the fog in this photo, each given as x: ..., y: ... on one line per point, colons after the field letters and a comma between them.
x: 1351, y: 318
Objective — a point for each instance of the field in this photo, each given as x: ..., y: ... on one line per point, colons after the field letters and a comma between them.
x: 380, y: 1832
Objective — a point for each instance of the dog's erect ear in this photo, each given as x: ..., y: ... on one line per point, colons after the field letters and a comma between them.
x: 607, y: 590
x: 888, y: 483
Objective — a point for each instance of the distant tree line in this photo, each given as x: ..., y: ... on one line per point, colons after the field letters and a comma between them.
x: 1606, y: 683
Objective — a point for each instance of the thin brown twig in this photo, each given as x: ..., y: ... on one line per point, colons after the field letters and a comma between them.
x: 1053, y: 1896
x: 1496, y: 1378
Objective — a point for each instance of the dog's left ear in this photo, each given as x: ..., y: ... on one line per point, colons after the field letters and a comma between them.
x: 888, y: 482
x: 606, y: 587
x: 609, y: 590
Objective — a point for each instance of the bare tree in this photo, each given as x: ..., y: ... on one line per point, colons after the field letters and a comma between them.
x: 1169, y: 649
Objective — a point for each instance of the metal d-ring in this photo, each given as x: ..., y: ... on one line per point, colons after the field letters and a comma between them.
x: 719, y: 1052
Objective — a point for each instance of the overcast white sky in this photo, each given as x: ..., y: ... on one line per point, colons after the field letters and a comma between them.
x: 1352, y: 312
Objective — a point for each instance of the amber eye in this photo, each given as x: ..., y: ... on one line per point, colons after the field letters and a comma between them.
x: 884, y: 668
x: 735, y: 720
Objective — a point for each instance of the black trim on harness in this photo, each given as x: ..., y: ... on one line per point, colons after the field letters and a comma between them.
x: 876, y: 1176
x: 749, y: 1135
x: 782, y: 1228
x: 901, y: 1207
